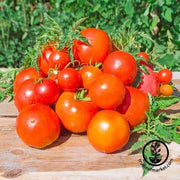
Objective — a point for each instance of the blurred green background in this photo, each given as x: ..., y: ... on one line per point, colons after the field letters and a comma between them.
x: 158, y: 20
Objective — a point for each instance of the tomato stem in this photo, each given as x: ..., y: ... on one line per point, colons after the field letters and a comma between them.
x: 81, y: 95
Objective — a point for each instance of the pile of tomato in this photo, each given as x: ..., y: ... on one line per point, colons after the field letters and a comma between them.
x: 93, y: 93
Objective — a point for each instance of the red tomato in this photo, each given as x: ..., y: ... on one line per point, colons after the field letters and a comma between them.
x: 108, y: 131
x: 46, y: 92
x: 38, y: 125
x: 107, y: 91
x: 43, y: 61
x: 149, y: 83
x: 25, y: 94
x: 166, y: 90
x: 164, y: 76
x: 69, y: 79
x: 122, y: 65
x: 144, y: 56
x: 99, y: 48
x: 25, y: 74
x: 134, y: 106
x: 89, y: 74
x: 75, y: 115
x: 58, y: 59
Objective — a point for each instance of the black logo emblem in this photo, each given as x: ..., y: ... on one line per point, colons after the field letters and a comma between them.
x: 155, y: 153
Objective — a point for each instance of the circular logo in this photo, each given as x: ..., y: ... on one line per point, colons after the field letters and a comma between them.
x: 155, y: 152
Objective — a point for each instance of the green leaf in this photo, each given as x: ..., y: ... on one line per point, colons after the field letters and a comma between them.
x: 154, y: 22
x: 144, y: 69
x: 146, y: 167
x: 167, y: 13
x: 136, y: 146
x: 129, y: 8
x: 163, y: 133
x: 165, y: 101
x: 140, y: 127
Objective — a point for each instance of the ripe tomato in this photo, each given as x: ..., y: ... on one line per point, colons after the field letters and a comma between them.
x: 69, y: 79
x: 75, y: 115
x: 144, y: 56
x: 25, y: 94
x: 164, y: 76
x: 99, y: 48
x: 89, y: 74
x: 166, y: 90
x: 25, y: 74
x: 46, y: 92
x: 149, y: 83
x: 107, y: 91
x: 134, y: 106
x: 122, y: 65
x: 43, y: 62
x: 58, y: 59
x: 108, y: 131
x: 38, y: 125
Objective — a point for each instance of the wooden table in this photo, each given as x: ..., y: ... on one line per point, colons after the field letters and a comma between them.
x: 72, y: 157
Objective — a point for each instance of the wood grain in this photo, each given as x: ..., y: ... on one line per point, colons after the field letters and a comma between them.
x: 72, y: 157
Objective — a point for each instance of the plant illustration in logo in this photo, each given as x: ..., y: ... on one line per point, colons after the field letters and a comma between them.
x: 155, y: 149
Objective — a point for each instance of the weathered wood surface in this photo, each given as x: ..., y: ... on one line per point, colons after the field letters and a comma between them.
x: 72, y: 157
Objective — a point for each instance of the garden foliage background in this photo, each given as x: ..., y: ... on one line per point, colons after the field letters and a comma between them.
x: 152, y: 24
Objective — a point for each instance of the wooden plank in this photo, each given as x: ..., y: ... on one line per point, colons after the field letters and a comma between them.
x: 70, y: 156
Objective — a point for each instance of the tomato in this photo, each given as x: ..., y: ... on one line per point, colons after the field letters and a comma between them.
x: 164, y: 76
x: 69, y: 79
x: 144, y: 56
x: 58, y: 59
x: 122, y: 65
x: 99, y: 48
x: 134, y: 106
x: 75, y: 115
x: 25, y: 74
x: 166, y: 90
x: 149, y: 83
x: 89, y: 74
x: 43, y: 62
x: 46, y: 92
x: 38, y: 125
x: 108, y: 131
x: 107, y: 91
x: 25, y: 94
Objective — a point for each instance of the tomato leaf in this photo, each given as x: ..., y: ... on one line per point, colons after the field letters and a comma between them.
x: 136, y: 146
x: 138, y: 79
x: 165, y: 101
x: 140, y: 127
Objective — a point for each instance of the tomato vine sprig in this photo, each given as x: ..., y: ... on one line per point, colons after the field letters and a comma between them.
x: 157, y: 126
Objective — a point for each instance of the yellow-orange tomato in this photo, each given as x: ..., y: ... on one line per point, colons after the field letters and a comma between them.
x: 89, y: 74
x: 166, y: 90
x: 108, y: 131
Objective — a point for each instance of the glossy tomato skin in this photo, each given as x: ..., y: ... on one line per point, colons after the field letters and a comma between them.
x: 166, y: 90
x: 144, y: 55
x: 108, y: 131
x: 58, y: 59
x: 69, y: 79
x: 99, y: 48
x: 25, y: 94
x: 46, y: 92
x: 25, y: 74
x: 164, y: 76
x: 89, y: 74
x: 122, y: 65
x: 43, y: 61
x: 107, y: 91
x: 38, y: 125
x: 134, y: 106
x: 75, y: 115
x: 149, y: 83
